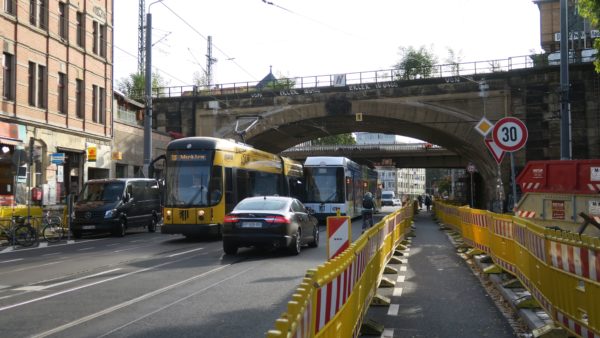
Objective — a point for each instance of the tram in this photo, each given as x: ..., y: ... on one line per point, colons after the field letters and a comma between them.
x: 337, y: 184
x: 206, y: 177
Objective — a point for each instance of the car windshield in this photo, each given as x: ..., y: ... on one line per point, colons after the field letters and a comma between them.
x: 384, y: 195
x: 261, y: 204
x: 102, y: 191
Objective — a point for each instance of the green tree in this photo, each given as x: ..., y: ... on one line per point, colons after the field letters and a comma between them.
x: 135, y: 85
x: 346, y: 139
x: 590, y: 9
x: 453, y: 59
x: 415, y: 63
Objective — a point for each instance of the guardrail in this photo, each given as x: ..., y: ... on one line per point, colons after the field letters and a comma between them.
x: 333, y: 298
x: 560, y: 269
x: 382, y: 78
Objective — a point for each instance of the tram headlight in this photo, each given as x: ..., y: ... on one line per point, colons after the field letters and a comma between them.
x: 168, y: 215
x: 200, y: 214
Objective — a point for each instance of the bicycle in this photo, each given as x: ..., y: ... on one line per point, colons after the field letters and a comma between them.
x: 19, y: 232
x: 367, y: 218
x: 52, y: 228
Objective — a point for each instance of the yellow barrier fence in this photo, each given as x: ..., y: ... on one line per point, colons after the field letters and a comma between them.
x: 561, y: 269
x: 332, y: 299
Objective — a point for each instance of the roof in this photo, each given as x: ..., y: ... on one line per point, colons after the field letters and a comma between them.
x: 267, y: 79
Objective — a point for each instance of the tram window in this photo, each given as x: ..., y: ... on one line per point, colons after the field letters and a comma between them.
x: 242, y: 180
x: 229, y: 200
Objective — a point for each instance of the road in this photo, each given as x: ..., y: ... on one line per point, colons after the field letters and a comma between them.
x: 150, y: 285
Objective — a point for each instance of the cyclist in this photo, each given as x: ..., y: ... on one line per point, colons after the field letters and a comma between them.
x: 367, y: 211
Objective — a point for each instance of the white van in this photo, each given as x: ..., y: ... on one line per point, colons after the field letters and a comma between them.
x: 389, y: 198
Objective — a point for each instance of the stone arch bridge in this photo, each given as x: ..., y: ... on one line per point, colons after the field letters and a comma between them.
x: 441, y: 110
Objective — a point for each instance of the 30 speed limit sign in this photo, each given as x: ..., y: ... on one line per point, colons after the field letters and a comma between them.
x: 510, y: 134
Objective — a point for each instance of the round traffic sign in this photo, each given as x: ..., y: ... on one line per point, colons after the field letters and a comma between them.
x: 510, y: 134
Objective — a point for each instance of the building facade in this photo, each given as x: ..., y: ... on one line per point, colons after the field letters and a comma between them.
x: 56, y: 125
x: 404, y: 182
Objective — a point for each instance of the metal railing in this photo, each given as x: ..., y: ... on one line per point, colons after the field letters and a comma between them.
x: 383, y: 78
x: 392, y: 148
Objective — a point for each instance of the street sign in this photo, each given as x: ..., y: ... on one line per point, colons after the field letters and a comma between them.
x: 484, y: 126
x: 57, y: 158
x: 339, y: 235
x: 510, y: 134
x: 471, y: 168
x: 497, y: 153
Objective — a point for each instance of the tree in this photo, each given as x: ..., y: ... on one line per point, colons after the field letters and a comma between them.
x: 135, y: 86
x: 454, y: 59
x: 415, y: 63
x: 590, y: 9
x: 346, y: 139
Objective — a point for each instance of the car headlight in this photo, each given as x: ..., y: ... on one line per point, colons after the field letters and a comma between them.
x: 110, y: 213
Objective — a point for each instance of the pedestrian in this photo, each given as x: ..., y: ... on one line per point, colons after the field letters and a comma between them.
x: 420, y: 199
x: 367, y: 211
x: 427, y: 202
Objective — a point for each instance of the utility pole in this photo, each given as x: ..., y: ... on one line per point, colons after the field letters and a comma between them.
x: 210, y: 60
x: 141, y: 37
x: 565, y: 112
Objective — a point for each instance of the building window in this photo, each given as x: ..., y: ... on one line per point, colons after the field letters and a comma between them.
x: 38, y: 13
x: 121, y: 170
x: 94, y: 103
x: 62, y: 93
x: 8, y: 77
x: 9, y: 6
x: 79, y: 98
x: 101, y: 105
x: 80, y: 29
x: 41, y: 88
x: 37, y: 85
x: 63, y: 21
x: 95, y: 37
x: 102, y: 41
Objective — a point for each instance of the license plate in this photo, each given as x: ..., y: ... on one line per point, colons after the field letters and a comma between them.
x: 251, y: 225
x: 88, y: 227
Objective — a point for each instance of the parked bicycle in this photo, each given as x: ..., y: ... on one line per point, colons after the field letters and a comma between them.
x: 52, y: 228
x: 18, y: 231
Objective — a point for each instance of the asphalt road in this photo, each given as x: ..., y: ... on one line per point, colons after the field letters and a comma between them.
x: 148, y: 285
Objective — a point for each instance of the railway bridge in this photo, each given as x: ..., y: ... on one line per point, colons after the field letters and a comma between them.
x: 443, y: 109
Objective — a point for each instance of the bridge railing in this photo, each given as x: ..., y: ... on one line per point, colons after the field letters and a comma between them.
x: 394, y: 148
x: 378, y: 78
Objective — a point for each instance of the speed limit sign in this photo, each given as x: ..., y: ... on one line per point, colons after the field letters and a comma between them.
x: 510, y: 134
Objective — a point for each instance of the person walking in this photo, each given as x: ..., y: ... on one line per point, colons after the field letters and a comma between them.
x: 427, y: 202
x: 367, y: 211
x: 420, y: 199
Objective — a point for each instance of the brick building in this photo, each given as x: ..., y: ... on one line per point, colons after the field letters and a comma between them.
x: 56, y: 86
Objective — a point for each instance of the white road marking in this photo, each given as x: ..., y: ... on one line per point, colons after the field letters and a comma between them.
x: 387, y: 333
x: 31, y: 267
x: 397, y: 292
x: 11, y: 260
x: 51, y: 254
x: 83, y: 249
x: 91, y: 284
x: 403, y: 268
x: 136, y: 300
x: 393, y: 310
x: 183, y: 253
x: 400, y: 279
x: 82, y: 278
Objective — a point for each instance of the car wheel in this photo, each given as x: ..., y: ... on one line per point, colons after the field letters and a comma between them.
x: 121, y: 228
x: 229, y: 248
x: 315, y: 242
x: 152, y: 225
x: 295, y: 246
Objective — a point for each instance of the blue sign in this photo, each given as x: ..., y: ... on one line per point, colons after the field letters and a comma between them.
x: 57, y: 158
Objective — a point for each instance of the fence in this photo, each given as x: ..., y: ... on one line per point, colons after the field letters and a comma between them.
x: 332, y: 299
x: 560, y: 269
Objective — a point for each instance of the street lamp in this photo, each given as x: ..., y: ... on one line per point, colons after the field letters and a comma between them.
x: 148, y: 93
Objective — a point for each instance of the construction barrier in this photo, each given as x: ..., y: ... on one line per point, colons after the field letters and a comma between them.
x: 332, y: 299
x: 561, y: 269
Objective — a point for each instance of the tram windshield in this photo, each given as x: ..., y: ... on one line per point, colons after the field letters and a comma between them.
x: 190, y: 179
x: 324, y: 184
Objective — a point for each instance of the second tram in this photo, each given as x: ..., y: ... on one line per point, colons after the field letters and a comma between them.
x: 337, y: 183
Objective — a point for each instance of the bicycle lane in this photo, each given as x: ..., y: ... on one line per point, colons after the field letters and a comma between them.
x: 435, y: 293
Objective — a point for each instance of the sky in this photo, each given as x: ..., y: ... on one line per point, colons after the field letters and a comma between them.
x: 300, y: 38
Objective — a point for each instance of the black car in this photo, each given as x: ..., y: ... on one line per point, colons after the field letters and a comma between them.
x: 270, y: 221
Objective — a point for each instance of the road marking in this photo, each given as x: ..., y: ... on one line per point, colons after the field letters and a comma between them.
x: 400, y: 279
x: 403, y: 268
x: 83, y: 249
x: 183, y: 253
x: 397, y: 292
x: 30, y: 267
x: 393, y: 310
x: 11, y: 260
x: 42, y: 287
x: 138, y: 299
x: 8, y: 307
x: 51, y: 254
x: 387, y: 333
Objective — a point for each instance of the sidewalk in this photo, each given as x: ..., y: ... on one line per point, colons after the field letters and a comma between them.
x: 436, y: 294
